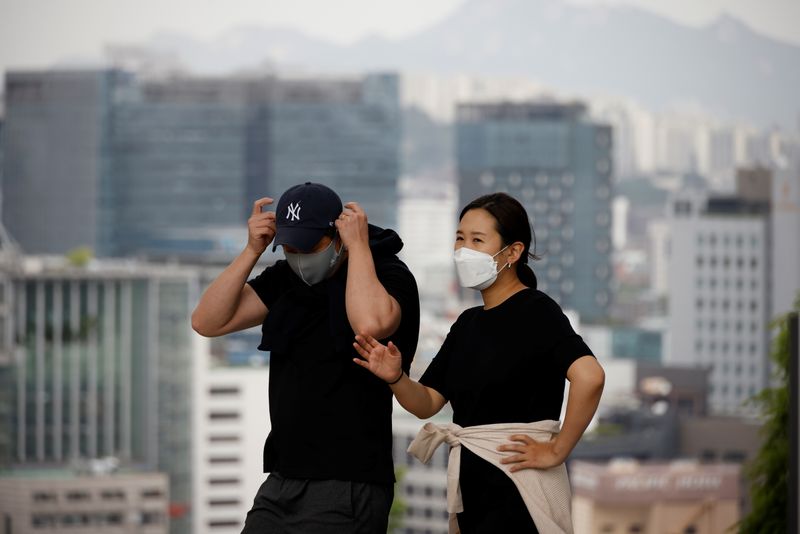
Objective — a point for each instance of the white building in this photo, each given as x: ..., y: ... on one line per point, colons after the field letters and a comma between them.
x: 230, y: 423
x: 423, y: 486
x: 719, y: 291
x: 427, y: 224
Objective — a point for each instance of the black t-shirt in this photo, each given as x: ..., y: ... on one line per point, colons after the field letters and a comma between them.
x: 507, y: 364
x: 331, y: 419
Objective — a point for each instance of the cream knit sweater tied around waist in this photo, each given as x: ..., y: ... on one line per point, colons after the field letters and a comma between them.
x: 546, y: 492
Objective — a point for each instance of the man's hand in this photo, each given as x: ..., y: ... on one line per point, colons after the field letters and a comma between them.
x: 352, y: 226
x: 261, y: 227
x: 532, y: 454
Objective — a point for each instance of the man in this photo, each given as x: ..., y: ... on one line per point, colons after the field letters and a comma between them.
x: 329, y: 453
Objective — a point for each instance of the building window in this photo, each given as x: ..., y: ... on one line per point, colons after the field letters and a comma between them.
x: 153, y: 493
x: 223, y: 460
x: 223, y: 390
x: 223, y: 481
x: 113, y: 495
x: 224, y: 502
x: 223, y: 416
x: 44, y: 496
x: 224, y: 523
x: 78, y: 496
x: 224, y: 439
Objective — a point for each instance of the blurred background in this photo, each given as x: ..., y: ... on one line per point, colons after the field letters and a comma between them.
x: 654, y: 144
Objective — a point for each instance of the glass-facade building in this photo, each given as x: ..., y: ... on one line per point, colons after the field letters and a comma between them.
x: 344, y: 134
x: 128, y: 167
x: 558, y: 164
x: 102, y: 367
x: 56, y: 157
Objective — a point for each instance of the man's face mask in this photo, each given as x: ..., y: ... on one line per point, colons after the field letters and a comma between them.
x: 313, y: 268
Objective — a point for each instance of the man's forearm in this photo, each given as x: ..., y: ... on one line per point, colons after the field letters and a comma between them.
x: 370, y: 308
x: 220, y: 300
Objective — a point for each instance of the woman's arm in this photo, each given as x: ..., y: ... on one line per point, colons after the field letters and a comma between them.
x: 385, y: 362
x: 586, y: 379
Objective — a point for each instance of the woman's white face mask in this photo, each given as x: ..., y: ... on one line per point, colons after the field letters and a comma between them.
x: 476, y: 270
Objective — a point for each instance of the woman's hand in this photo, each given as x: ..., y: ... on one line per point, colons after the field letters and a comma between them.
x: 383, y: 361
x: 532, y: 454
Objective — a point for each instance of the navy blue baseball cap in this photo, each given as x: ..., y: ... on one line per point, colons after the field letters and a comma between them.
x: 305, y: 213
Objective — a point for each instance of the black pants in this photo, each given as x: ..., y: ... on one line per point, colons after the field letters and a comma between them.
x: 289, y: 506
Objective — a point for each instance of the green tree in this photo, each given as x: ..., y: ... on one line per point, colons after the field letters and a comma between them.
x: 79, y: 257
x: 398, y: 510
x: 769, y: 472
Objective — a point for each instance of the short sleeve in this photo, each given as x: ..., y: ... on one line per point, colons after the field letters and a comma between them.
x: 567, y: 345
x: 270, y: 283
x: 435, y: 376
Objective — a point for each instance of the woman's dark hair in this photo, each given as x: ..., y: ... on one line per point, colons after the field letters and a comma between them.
x: 511, y: 222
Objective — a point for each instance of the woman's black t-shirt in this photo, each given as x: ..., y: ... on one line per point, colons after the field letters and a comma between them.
x: 507, y: 364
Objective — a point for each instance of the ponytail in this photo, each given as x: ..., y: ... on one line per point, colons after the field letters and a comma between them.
x: 526, y: 275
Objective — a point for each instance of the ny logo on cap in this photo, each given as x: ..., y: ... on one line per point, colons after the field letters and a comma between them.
x: 293, y: 213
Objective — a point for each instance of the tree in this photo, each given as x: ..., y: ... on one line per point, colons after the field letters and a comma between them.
x: 769, y: 472
x: 398, y: 510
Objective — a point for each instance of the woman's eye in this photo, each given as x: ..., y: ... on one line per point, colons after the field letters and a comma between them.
x: 476, y: 240
x: 459, y: 238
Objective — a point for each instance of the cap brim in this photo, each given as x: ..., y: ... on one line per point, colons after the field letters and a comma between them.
x: 303, y: 239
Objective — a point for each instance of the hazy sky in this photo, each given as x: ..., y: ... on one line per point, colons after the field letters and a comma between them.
x: 36, y: 33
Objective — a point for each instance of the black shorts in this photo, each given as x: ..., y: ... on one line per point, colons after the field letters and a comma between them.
x: 293, y: 506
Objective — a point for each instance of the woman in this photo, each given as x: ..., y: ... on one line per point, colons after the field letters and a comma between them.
x: 503, y: 362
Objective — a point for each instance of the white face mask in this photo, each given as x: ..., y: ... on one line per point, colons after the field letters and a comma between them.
x: 476, y: 270
x: 313, y: 268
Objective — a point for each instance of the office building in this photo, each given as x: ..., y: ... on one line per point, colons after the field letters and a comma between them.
x: 64, y: 500
x: 625, y: 496
x: 230, y: 424
x: 719, y: 291
x: 171, y: 167
x: 423, y: 487
x: 558, y: 164
x: 56, y: 137
x: 102, y: 367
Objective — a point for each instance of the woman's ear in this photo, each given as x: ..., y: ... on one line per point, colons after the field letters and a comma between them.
x: 515, y: 252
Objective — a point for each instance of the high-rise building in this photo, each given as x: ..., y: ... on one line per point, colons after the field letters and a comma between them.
x: 102, y: 367
x: 720, y: 256
x: 57, y: 159
x: 180, y: 159
x: 230, y: 425
x: 342, y: 133
x: 558, y: 164
x: 171, y: 167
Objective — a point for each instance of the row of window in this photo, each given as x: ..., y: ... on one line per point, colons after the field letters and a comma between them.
x: 94, y: 520
x: 737, y: 390
x: 726, y: 262
x: 724, y: 283
x: 726, y: 240
x: 726, y: 326
x: 725, y: 347
x: 81, y: 496
x: 725, y: 304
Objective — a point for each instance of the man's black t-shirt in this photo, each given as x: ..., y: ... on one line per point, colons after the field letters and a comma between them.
x: 331, y: 419
x: 506, y: 364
